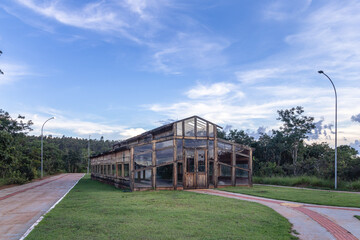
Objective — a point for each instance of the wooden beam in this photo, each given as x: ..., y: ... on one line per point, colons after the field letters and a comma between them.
x: 132, y: 179
x: 233, y: 163
x: 153, y: 170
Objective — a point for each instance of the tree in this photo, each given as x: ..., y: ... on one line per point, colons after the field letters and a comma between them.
x: 295, y: 128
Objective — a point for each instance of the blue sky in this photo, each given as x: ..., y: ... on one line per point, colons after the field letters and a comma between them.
x: 117, y: 68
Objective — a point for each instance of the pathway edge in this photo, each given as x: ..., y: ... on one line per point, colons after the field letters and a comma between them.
x: 42, y: 216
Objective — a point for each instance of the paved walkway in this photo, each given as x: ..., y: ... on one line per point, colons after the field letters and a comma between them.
x: 309, y: 220
x: 22, y: 206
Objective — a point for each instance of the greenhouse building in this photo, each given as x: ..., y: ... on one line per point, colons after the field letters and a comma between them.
x: 185, y: 154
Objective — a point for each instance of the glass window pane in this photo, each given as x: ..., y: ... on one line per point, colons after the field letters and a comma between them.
x: 142, y: 149
x: 224, y: 175
x: 224, y: 146
x: 200, y: 128
x: 190, y: 161
x: 179, y: 150
x: 113, y: 170
x: 126, y: 170
x: 164, y: 144
x: 164, y: 176
x: 211, y: 150
x: 224, y: 157
x: 179, y: 128
x: 201, y: 160
x: 143, y: 178
x: 165, y: 155
x: 179, y: 174
x: 211, y: 172
x: 211, y: 130
x: 189, y: 127
x: 195, y: 143
x: 143, y: 160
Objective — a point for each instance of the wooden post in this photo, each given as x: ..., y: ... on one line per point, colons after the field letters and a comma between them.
x: 216, y: 163
x: 250, y: 167
x: 153, y: 170
x: 233, y: 163
x: 132, y: 173
x: 175, y: 163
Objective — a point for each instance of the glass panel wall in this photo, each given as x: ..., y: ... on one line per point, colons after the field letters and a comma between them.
x: 143, y: 160
x: 164, y: 156
x: 224, y: 175
x: 126, y: 170
x: 190, y: 161
x: 201, y: 128
x: 164, y: 144
x: 179, y: 149
x: 201, y: 160
x: 189, y: 126
x: 180, y: 173
x: 211, y: 130
x: 164, y: 176
x: 179, y: 131
x: 143, y: 178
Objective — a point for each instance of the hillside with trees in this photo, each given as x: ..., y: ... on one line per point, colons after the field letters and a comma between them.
x: 20, y: 153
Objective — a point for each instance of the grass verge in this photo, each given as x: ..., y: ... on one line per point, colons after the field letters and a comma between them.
x: 308, y: 181
x: 93, y: 210
x: 301, y: 195
x: 357, y: 216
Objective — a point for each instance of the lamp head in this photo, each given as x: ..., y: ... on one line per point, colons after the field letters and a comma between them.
x: 53, y: 118
x: 321, y: 71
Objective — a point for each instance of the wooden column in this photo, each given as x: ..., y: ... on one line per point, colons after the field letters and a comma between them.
x: 250, y: 167
x: 175, y: 163
x: 132, y: 173
x: 216, y: 163
x: 153, y: 170
x: 233, y: 162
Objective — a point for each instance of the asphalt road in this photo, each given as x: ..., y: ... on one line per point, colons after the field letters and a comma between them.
x: 22, y: 206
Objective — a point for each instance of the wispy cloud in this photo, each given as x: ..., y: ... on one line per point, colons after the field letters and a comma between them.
x: 283, y: 10
x: 13, y: 72
x: 213, y: 90
x: 150, y: 24
x: 64, y: 124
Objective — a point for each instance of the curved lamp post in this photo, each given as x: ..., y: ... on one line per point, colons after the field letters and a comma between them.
x: 322, y: 72
x: 42, y: 129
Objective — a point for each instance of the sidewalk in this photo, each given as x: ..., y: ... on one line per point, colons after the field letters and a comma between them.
x: 309, y: 220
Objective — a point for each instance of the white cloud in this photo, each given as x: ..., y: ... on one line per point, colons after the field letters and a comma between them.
x: 216, y: 89
x: 65, y: 125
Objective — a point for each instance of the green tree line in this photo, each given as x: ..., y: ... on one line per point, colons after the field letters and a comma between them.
x: 284, y: 152
x: 20, y: 153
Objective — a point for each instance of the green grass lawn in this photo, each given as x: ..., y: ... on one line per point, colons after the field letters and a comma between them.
x: 301, y: 195
x: 93, y: 210
x: 358, y: 217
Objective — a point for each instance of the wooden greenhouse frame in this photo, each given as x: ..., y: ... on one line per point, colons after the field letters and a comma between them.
x: 184, y: 154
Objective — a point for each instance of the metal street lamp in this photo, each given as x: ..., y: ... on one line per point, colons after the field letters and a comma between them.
x: 42, y: 129
x: 322, y: 72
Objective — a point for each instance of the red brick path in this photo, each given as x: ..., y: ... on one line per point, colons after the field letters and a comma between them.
x: 336, y: 230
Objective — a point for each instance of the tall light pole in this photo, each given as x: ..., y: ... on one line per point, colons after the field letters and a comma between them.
x: 42, y: 129
x: 322, y: 72
x: 88, y: 156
